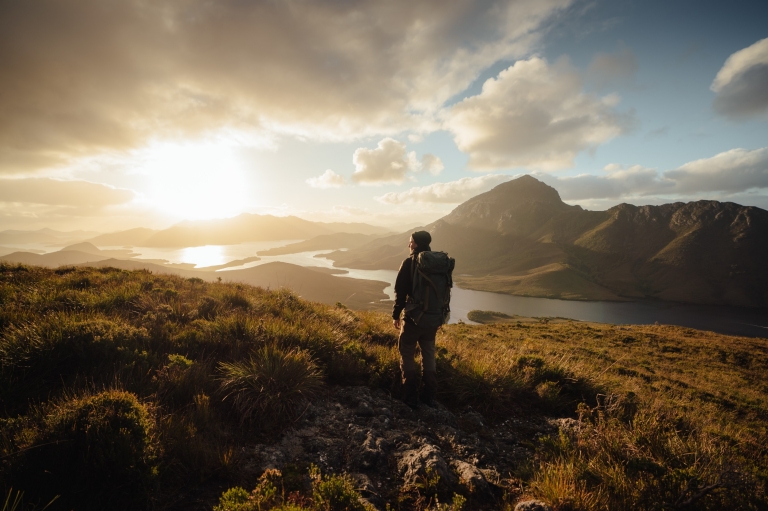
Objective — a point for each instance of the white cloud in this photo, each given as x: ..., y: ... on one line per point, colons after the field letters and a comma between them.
x: 453, y: 192
x: 533, y: 115
x: 432, y: 164
x: 742, y: 83
x: 727, y: 173
x: 387, y: 163
x: 618, y: 182
x: 328, y: 179
x: 54, y: 192
x: 732, y: 171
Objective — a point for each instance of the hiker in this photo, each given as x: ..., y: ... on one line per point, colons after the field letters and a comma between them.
x: 422, y: 295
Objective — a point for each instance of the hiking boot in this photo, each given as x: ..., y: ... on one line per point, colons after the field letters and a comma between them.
x: 430, y: 389
x: 411, y: 390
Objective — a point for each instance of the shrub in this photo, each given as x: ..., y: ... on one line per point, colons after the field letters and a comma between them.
x: 37, y: 356
x: 95, y: 451
x: 271, y: 383
x: 329, y: 493
x: 335, y: 492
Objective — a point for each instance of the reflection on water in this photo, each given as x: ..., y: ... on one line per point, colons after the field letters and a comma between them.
x: 208, y: 255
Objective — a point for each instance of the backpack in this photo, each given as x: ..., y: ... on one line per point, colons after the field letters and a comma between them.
x: 428, y: 304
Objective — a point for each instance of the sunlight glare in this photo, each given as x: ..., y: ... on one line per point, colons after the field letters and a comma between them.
x: 208, y: 255
x: 196, y: 181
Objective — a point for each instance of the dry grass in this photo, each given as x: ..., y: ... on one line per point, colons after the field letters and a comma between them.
x: 664, y: 416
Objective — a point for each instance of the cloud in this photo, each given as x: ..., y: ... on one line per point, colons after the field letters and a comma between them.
x: 387, y: 163
x: 533, y: 115
x: 732, y: 171
x: 742, y: 83
x: 612, y: 69
x: 80, y: 194
x: 328, y: 179
x: 453, y: 192
x: 88, y: 77
x: 617, y: 183
x: 727, y: 173
x: 432, y: 164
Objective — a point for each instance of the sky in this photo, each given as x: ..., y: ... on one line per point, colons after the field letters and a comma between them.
x: 143, y: 113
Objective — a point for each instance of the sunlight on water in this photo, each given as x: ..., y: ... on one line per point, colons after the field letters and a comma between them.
x: 208, y: 255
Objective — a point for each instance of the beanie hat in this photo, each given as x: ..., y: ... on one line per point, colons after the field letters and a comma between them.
x: 422, y: 239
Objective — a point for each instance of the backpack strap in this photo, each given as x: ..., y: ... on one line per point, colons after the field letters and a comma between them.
x: 426, y: 292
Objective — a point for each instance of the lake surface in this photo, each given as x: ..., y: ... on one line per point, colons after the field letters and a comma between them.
x: 722, y: 319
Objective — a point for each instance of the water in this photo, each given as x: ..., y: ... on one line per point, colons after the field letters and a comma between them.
x: 722, y: 319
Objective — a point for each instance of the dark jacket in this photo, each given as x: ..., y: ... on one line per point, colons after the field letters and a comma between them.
x: 404, y: 285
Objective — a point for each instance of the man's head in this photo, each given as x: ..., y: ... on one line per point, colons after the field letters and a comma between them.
x: 420, y: 241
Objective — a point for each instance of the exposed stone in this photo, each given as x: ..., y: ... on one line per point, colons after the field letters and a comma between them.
x: 532, y: 505
x: 471, y: 477
x: 472, y: 421
x: 392, y: 447
x: 416, y: 464
x: 364, y: 410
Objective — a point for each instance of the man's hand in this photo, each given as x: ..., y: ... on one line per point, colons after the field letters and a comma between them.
x: 396, y: 323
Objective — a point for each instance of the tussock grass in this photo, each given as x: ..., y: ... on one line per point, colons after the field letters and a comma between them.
x: 155, y: 375
x: 271, y: 384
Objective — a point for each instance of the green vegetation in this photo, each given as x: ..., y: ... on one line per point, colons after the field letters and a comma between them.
x: 122, y: 389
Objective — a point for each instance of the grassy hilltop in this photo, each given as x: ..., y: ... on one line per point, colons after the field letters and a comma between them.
x: 126, y: 390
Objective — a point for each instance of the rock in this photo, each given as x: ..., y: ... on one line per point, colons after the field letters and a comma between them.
x: 471, y: 477
x: 364, y: 410
x: 472, y: 421
x: 415, y: 463
x: 532, y: 505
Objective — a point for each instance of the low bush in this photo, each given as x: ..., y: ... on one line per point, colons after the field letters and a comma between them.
x: 328, y: 493
x: 97, y: 451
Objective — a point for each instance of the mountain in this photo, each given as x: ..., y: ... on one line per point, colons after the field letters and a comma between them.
x: 356, y: 228
x: 53, y: 259
x: 323, y: 242
x: 521, y: 238
x: 248, y: 227
x: 43, y: 236
x: 131, y: 237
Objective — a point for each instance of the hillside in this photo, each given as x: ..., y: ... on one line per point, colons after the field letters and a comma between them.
x: 248, y: 227
x: 133, y: 390
x: 520, y: 238
x: 323, y: 242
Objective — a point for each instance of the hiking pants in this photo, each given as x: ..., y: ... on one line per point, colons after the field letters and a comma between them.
x: 410, y: 336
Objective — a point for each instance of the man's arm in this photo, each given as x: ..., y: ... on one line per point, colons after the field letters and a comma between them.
x: 403, y: 286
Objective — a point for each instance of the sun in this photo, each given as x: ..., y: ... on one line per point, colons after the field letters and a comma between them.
x: 196, y: 181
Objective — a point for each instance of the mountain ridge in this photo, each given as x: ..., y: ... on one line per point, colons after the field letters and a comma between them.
x: 521, y: 238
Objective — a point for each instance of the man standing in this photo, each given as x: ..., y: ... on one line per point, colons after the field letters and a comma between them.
x: 420, y: 321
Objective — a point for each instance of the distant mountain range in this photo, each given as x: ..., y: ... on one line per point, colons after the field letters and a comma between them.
x: 226, y: 231
x: 43, y: 236
x: 521, y: 238
x: 229, y: 231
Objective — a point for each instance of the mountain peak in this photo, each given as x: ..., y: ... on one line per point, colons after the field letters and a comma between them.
x: 524, y: 189
x: 520, y: 206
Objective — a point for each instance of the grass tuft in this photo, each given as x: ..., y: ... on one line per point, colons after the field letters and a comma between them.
x: 271, y: 385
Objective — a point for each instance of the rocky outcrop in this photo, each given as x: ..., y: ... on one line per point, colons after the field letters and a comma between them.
x: 390, y: 450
